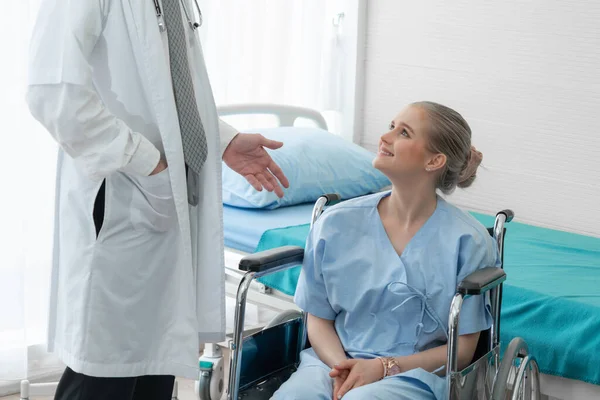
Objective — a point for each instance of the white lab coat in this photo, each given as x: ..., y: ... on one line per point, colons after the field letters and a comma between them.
x: 139, y: 298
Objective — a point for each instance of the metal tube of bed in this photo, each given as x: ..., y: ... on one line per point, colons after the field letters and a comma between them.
x: 236, y: 348
x: 286, y: 114
x: 452, y: 361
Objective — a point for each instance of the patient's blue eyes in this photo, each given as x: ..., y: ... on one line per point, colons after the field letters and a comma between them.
x: 404, y: 132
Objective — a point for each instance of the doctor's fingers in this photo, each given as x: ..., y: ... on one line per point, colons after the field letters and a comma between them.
x: 274, y: 183
x: 268, y: 182
x: 264, y: 181
x: 278, y: 172
x: 254, y: 182
x: 270, y: 144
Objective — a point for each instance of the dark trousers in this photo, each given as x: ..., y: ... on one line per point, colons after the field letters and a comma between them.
x: 76, y: 386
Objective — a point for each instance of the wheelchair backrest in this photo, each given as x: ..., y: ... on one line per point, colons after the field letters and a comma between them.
x: 483, y: 345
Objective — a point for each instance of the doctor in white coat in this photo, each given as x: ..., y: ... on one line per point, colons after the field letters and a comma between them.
x: 138, y: 277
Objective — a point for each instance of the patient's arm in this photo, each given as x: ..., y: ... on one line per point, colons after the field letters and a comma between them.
x: 432, y: 359
x: 325, y: 341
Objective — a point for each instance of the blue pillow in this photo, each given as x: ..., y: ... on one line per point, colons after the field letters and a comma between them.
x: 315, y: 162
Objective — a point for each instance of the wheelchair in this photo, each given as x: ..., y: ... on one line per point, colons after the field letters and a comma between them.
x: 261, y: 361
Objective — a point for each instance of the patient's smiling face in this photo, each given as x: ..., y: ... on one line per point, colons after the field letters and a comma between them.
x: 403, y: 149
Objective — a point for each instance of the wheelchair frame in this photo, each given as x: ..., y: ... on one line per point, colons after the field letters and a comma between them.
x: 516, y: 376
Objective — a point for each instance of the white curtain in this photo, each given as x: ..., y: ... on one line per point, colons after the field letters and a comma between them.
x: 27, y: 176
x: 274, y: 51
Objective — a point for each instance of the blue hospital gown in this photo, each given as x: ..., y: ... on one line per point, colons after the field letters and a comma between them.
x: 384, y: 304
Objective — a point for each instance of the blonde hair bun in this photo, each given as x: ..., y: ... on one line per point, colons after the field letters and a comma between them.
x: 469, y: 172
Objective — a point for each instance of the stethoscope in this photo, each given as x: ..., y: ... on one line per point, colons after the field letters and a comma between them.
x: 193, y: 24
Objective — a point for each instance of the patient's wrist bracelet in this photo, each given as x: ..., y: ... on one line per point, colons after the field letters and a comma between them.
x: 384, y: 366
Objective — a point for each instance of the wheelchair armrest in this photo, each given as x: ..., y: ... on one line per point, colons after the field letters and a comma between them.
x: 267, y: 260
x: 481, y: 281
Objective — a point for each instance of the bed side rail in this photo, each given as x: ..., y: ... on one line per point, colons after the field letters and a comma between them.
x: 286, y: 114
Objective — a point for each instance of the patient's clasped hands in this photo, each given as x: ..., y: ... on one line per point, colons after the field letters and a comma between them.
x: 351, y: 374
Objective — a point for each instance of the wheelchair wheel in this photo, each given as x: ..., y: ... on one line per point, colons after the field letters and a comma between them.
x: 518, y: 374
x: 528, y: 380
x: 282, y: 317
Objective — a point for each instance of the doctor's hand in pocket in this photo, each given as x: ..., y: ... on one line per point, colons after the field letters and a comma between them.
x: 162, y: 165
x: 357, y: 373
x: 247, y: 156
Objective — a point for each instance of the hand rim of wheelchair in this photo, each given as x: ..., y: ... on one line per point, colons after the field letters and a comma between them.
x: 516, y: 349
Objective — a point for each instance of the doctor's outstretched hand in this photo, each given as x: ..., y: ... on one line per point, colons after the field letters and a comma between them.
x: 247, y: 156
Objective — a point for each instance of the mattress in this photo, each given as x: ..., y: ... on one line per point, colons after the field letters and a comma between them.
x: 244, y: 227
x: 551, y: 298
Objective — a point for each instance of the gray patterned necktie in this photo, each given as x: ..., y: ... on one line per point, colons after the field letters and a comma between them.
x: 192, y: 131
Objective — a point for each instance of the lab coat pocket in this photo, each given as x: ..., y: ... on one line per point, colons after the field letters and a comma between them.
x: 98, y: 210
x: 152, y: 204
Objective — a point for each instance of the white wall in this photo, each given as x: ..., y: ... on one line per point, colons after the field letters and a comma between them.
x: 524, y: 73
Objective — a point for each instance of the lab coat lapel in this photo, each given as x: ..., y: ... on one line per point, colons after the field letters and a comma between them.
x: 154, y: 67
x: 206, y: 259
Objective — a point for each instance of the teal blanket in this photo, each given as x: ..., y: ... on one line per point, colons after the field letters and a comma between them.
x: 551, y: 297
x: 284, y: 281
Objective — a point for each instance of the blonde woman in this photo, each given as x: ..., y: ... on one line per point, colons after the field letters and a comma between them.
x: 380, y: 271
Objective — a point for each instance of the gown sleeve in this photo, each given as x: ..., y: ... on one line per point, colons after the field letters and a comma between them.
x: 476, y: 251
x: 311, y: 291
